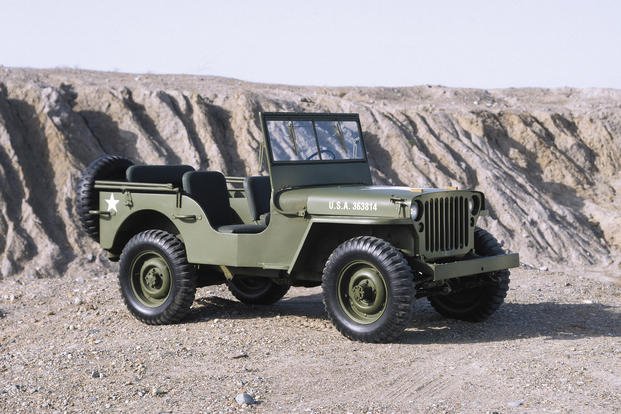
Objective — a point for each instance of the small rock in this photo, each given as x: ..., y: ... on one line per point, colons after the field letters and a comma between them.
x: 77, y: 301
x: 90, y: 257
x: 158, y: 392
x: 245, y: 398
x: 240, y: 355
x: 587, y: 302
x: 544, y: 268
x: 515, y: 404
x: 97, y: 374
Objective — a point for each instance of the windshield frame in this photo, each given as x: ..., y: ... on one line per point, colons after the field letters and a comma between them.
x: 315, y: 117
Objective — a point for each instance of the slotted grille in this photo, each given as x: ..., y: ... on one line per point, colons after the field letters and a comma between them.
x: 446, y: 224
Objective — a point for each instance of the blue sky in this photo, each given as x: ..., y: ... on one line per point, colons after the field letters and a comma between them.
x: 472, y: 43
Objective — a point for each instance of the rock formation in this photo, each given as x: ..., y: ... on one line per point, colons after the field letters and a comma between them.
x: 547, y: 160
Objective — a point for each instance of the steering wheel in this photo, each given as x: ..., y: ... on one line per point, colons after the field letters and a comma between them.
x: 322, y: 151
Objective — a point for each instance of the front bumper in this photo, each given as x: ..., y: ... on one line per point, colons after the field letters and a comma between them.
x: 468, y: 267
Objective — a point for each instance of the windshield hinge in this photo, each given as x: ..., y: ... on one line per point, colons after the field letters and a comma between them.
x: 397, y: 200
x: 402, y: 203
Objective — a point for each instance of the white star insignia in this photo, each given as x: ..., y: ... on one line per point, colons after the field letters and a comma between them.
x: 112, y: 202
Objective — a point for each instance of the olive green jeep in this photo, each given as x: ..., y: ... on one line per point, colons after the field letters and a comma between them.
x: 316, y: 219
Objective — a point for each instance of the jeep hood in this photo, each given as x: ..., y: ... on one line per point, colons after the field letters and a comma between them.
x: 351, y: 200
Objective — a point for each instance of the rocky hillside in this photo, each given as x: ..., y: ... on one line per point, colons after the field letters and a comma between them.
x: 548, y: 160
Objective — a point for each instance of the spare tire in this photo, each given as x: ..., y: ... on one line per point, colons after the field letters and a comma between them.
x: 106, y: 167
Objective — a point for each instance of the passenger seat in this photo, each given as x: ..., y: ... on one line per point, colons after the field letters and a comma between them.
x: 209, y: 190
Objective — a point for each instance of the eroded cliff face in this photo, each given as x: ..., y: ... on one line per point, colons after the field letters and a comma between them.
x: 547, y: 160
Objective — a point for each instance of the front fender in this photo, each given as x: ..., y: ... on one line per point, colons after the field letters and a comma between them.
x: 356, y: 226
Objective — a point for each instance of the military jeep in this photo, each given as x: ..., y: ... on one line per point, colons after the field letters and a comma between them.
x: 316, y: 219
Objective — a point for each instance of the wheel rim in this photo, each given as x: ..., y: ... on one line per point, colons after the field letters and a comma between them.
x: 151, y: 279
x: 362, y: 292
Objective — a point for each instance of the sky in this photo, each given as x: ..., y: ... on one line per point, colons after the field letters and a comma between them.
x: 474, y: 43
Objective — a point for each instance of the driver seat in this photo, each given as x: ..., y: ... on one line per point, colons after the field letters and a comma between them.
x: 209, y: 190
x: 258, y: 191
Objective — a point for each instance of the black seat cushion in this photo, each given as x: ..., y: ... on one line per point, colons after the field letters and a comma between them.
x: 258, y: 191
x: 242, y: 228
x: 209, y: 190
x: 160, y: 174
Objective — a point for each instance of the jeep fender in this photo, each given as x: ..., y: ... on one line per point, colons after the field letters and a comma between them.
x: 327, y: 232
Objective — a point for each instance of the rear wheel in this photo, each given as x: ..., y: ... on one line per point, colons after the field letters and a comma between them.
x: 157, y: 282
x: 367, y: 288
x: 254, y: 290
x: 475, y: 304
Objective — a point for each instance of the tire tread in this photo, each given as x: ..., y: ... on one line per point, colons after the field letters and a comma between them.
x: 400, y: 275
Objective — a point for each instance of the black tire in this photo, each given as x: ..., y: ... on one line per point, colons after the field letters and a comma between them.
x: 156, y: 281
x: 256, y: 290
x: 476, y: 304
x: 367, y: 290
x: 106, y: 167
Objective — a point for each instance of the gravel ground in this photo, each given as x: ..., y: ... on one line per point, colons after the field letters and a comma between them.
x: 70, y: 345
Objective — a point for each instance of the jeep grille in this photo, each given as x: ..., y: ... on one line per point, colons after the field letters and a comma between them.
x: 446, y: 224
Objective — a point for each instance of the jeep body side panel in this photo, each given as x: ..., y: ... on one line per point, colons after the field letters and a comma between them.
x: 271, y: 249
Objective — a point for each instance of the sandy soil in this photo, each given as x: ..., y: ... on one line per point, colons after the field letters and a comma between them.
x: 69, y: 345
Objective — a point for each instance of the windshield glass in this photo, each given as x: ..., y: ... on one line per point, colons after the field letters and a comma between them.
x: 293, y: 140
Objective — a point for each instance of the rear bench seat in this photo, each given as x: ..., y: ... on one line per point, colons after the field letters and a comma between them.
x: 158, y: 174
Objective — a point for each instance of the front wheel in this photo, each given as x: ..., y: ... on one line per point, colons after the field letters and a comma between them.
x: 367, y: 288
x: 157, y: 282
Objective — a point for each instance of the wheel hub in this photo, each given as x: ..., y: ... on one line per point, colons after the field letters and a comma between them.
x: 363, y: 292
x: 152, y: 279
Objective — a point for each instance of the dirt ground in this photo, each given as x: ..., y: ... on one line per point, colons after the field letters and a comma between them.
x: 69, y: 345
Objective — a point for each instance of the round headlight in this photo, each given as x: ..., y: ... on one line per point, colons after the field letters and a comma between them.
x: 415, y: 210
x: 473, y: 205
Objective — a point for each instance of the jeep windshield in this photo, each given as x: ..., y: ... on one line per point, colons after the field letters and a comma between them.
x: 315, y: 139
